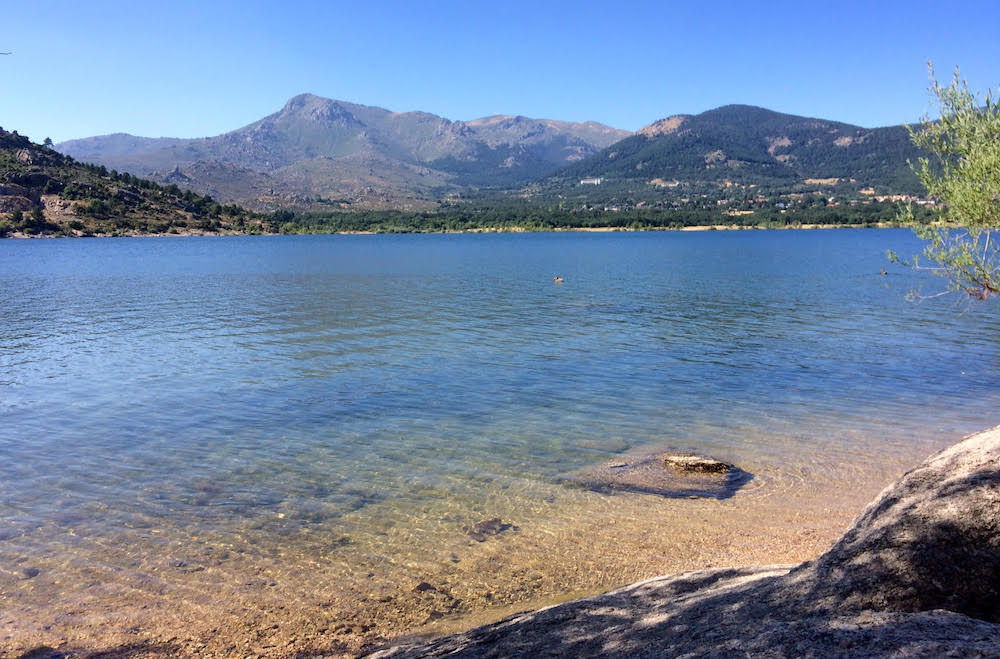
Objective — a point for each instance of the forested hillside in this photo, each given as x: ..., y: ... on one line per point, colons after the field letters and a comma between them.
x: 43, y: 192
x: 746, y: 145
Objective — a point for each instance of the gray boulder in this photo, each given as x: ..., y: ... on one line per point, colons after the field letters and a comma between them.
x: 917, y: 574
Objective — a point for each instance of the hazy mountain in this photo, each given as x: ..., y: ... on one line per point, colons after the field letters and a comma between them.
x: 752, y: 145
x: 318, y: 148
x: 118, y: 144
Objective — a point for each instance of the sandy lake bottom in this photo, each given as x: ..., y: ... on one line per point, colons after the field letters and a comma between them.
x: 155, y: 591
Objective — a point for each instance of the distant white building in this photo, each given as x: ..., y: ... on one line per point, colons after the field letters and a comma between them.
x: 590, y: 181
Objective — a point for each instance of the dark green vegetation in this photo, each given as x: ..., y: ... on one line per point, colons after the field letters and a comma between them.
x: 43, y: 192
x: 748, y: 145
x: 745, y: 165
x: 739, y: 158
x: 527, y: 216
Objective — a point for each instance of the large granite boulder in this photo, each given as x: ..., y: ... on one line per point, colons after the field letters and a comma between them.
x: 929, y: 541
x: 917, y: 574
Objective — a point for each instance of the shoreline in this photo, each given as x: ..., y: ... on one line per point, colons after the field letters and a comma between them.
x: 880, y: 587
x: 17, y: 235
x: 238, y: 600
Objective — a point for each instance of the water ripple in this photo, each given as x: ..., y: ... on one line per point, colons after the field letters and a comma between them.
x: 289, y: 382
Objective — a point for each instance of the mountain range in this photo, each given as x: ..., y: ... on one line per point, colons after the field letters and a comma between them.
x: 317, y: 152
x: 321, y: 151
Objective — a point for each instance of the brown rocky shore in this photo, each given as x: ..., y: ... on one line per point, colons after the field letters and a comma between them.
x: 917, y: 574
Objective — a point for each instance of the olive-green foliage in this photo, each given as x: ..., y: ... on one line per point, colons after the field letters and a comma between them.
x: 964, y: 178
x: 105, y: 202
x: 531, y: 216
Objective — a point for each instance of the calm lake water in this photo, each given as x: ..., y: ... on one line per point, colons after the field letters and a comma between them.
x: 287, y: 392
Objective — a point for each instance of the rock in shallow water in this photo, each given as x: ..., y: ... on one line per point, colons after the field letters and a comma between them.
x: 697, y: 464
x: 917, y: 575
x: 671, y: 476
x: 487, y: 528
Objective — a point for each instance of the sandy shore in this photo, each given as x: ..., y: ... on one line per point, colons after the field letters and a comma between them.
x: 914, y: 576
x: 147, y: 593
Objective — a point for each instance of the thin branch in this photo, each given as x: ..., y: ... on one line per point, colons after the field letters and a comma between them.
x: 920, y: 298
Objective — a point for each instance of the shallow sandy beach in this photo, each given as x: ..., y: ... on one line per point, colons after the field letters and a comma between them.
x: 150, y: 592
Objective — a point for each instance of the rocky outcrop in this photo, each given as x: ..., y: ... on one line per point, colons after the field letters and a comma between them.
x: 697, y: 464
x: 14, y: 190
x: 917, y: 574
x: 15, y: 197
x: 930, y: 541
x: 10, y: 203
x: 663, y: 126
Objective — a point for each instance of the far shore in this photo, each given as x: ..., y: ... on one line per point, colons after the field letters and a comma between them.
x: 510, y: 229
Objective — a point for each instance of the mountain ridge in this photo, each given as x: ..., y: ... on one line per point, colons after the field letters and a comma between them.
x: 423, y: 156
x: 752, y: 145
x: 323, y: 154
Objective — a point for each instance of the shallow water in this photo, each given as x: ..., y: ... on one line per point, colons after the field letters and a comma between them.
x: 177, y: 413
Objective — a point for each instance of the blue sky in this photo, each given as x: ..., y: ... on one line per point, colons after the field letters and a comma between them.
x: 191, y: 69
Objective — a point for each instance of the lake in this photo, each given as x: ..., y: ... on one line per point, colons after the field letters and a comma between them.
x: 242, y: 434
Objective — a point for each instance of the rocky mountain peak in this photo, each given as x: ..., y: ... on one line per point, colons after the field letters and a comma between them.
x: 315, y: 108
x: 319, y: 146
x: 664, y: 126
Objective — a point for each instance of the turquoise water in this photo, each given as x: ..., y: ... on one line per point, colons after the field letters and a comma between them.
x: 136, y: 371
x: 281, y: 389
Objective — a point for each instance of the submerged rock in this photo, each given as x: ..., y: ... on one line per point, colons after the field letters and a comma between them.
x: 917, y: 574
x: 696, y: 464
x: 486, y: 528
x: 42, y: 652
x: 674, y: 476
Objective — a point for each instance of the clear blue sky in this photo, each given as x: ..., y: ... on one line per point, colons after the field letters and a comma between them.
x: 195, y: 68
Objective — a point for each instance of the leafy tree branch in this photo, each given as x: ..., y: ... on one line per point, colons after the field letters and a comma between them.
x: 962, y: 178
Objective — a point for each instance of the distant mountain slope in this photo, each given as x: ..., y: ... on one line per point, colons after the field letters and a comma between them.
x: 90, y: 149
x: 43, y: 192
x: 318, y: 148
x: 752, y: 145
